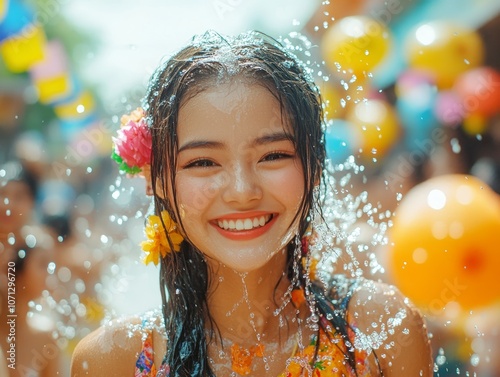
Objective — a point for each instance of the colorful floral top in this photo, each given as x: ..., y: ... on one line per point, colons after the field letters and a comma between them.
x: 329, y: 361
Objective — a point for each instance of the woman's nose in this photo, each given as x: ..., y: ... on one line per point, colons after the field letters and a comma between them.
x: 243, y: 186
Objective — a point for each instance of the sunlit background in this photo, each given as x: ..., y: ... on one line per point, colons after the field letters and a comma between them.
x: 412, y: 90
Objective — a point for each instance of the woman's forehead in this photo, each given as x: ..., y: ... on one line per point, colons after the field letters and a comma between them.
x: 231, y: 107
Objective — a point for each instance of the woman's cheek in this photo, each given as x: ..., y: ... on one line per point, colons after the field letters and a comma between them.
x: 287, y: 183
x: 196, y: 194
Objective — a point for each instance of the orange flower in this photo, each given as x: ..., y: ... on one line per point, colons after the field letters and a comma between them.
x: 298, y: 297
x: 134, y: 116
x: 157, y: 244
x: 241, y: 358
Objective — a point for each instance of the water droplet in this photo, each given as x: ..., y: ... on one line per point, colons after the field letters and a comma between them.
x: 441, y: 358
x: 455, y: 146
x: 64, y: 274
x: 51, y: 267
x: 30, y: 240
x: 474, y: 360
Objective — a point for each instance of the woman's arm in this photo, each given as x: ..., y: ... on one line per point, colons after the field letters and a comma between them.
x: 394, y: 328
x: 109, y: 351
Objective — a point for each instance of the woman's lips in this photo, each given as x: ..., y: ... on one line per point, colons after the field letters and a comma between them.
x: 244, y: 228
x: 247, y: 223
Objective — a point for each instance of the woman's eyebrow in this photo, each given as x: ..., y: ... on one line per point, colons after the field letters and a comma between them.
x: 198, y: 144
x: 209, y: 144
x: 271, y: 138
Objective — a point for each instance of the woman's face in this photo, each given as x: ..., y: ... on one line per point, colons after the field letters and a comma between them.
x: 239, y: 181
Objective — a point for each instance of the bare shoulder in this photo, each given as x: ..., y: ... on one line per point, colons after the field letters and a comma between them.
x: 393, y: 327
x: 111, y: 350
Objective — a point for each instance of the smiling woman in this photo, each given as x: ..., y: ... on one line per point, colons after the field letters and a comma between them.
x: 237, y: 160
x: 233, y: 141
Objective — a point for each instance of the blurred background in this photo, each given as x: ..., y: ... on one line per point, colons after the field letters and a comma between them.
x: 412, y: 94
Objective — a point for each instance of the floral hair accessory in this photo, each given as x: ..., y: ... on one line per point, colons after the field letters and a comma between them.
x: 132, y: 144
x: 157, y: 242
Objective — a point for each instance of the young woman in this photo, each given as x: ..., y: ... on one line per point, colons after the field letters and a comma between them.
x: 236, y: 162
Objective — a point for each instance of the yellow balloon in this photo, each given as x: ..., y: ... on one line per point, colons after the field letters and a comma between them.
x: 445, y: 50
x: 79, y: 108
x: 475, y: 124
x: 356, y: 43
x: 376, y: 127
x: 332, y: 95
x: 54, y: 88
x: 445, y: 244
x: 22, y: 50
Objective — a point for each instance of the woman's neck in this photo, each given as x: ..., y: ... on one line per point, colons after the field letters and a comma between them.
x: 250, y: 307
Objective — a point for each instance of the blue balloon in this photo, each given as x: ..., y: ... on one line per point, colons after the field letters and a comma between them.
x: 416, y: 113
x: 338, y: 140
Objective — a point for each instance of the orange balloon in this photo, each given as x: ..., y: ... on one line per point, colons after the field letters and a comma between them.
x: 445, y: 50
x: 445, y: 244
x: 479, y: 91
x: 355, y: 43
x: 376, y: 127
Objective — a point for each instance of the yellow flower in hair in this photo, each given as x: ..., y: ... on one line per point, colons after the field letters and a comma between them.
x: 157, y: 244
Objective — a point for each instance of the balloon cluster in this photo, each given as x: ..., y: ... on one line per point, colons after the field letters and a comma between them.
x: 444, y: 242
x: 444, y: 84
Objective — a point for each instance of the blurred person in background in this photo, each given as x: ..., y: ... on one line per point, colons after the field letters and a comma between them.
x: 77, y: 264
x: 25, y: 252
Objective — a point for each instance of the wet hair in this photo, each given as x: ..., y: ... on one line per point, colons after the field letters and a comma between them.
x: 210, y: 60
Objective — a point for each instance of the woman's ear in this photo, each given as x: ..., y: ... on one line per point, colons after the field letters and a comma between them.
x: 146, y: 173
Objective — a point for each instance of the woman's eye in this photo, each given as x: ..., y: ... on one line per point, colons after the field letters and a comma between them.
x: 201, y: 163
x: 276, y: 156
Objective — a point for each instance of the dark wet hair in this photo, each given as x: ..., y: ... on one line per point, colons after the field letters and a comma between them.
x: 209, y: 60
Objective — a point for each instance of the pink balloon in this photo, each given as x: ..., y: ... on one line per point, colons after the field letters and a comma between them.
x: 410, y: 79
x: 449, y: 110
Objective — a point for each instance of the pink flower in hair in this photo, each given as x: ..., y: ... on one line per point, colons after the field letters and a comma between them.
x: 133, y: 142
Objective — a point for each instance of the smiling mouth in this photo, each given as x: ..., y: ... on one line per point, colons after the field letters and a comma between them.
x: 244, y: 224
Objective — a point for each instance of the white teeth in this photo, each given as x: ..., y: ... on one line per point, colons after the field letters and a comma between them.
x: 248, y: 224
x: 239, y: 225
x: 244, y: 224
